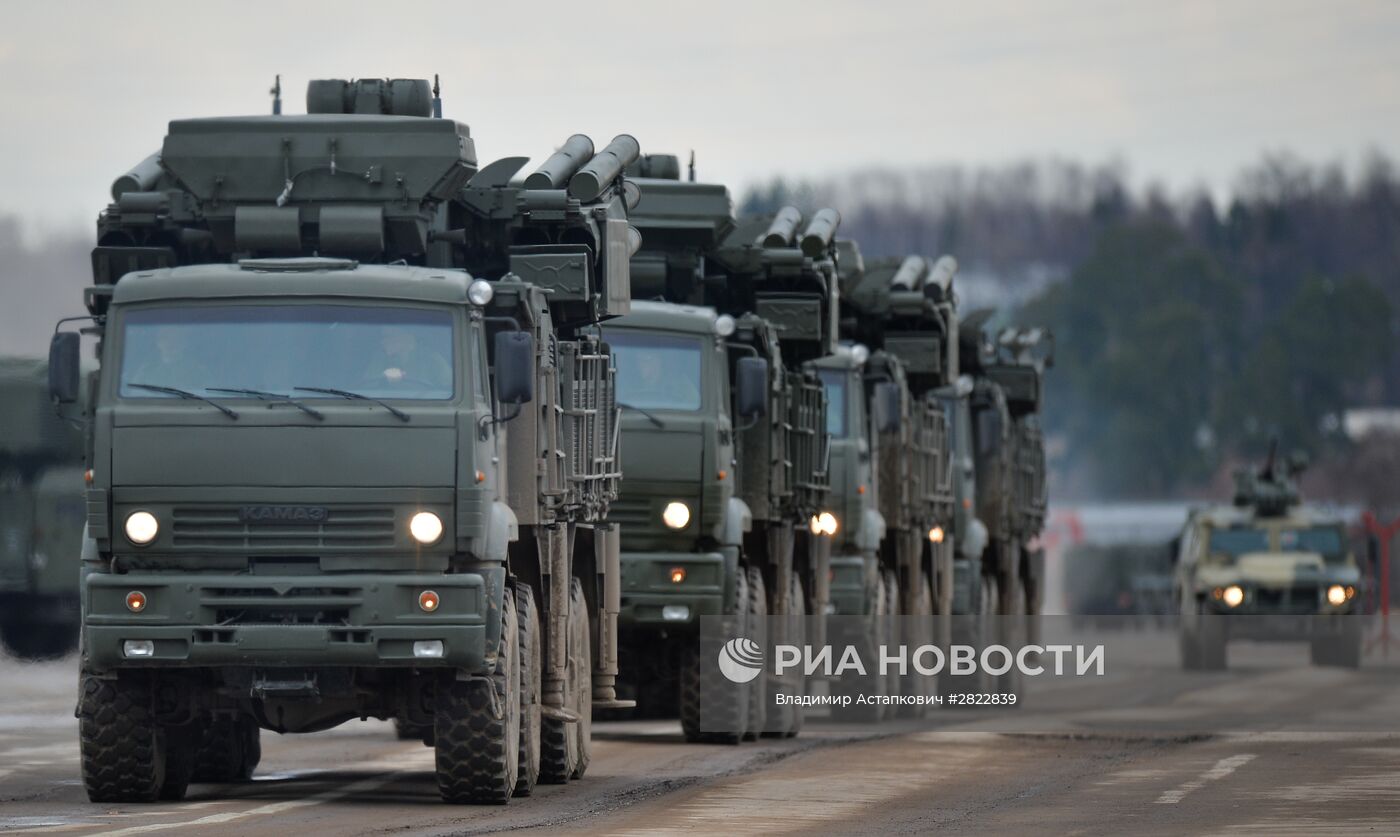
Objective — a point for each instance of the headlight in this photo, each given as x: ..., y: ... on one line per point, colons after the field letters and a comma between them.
x: 425, y: 527
x: 1233, y: 595
x: 480, y: 292
x: 1337, y: 595
x: 141, y: 527
x: 935, y: 535
x: 828, y: 523
x: 676, y: 515
x: 724, y: 325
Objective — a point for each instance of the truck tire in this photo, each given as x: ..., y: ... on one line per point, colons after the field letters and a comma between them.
x: 789, y: 716
x: 28, y: 641
x: 179, y: 762
x: 891, y: 680
x: 728, y: 703
x: 759, y: 687
x: 923, y: 617
x: 1340, y: 651
x: 122, y: 747
x: 477, y: 726
x: 530, y: 667
x: 1211, y: 645
x: 228, y: 752
x: 867, y: 645
x: 565, y: 747
x: 1013, y: 622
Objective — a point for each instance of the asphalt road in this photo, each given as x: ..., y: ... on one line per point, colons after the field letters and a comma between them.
x: 1272, y: 747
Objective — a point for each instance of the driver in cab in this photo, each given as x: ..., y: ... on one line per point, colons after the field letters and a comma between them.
x: 403, y: 361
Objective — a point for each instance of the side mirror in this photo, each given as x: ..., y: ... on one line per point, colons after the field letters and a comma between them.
x: 515, y: 367
x: 63, y: 366
x: 752, y: 395
x: 887, y: 403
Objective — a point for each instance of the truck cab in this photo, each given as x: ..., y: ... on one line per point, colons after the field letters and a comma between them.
x: 682, y: 525
x: 851, y: 516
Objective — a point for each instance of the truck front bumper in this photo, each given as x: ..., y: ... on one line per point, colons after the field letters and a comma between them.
x: 650, y: 596
x: 370, y: 620
x: 848, y: 585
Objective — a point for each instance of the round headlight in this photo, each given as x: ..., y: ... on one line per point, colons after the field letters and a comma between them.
x: 676, y: 515
x: 480, y: 292
x: 828, y: 523
x: 425, y: 527
x: 724, y: 325
x: 935, y: 535
x: 1336, y: 595
x: 860, y: 353
x: 141, y: 527
x: 1233, y: 595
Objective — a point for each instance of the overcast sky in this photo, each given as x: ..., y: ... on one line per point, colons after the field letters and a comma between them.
x: 1184, y: 91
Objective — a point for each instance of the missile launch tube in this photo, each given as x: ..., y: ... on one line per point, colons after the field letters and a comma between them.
x: 783, y: 229
x: 555, y: 172
x: 140, y: 179
x: 910, y: 274
x: 817, y: 239
x: 604, y: 168
x: 941, y: 277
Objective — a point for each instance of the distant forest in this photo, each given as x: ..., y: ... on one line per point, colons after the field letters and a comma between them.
x: 1188, y: 335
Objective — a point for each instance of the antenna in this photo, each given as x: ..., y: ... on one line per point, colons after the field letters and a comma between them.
x: 276, y: 92
x: 692, y: 165
x: 437, y: 98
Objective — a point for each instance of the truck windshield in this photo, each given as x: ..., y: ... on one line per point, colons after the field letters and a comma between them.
x: 1324, y: 540
x: 395, y: 353
x: 1232, y: 543
x: 834, y: 381
x: 656, y: 371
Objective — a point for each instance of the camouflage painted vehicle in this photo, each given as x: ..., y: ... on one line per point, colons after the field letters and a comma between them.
x: 353, y: 446
x: 1268, y: 567
x: 41, y: 516
x: 723, y: 446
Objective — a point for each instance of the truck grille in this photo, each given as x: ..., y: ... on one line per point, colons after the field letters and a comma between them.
x: 352, y: 528
x: 633, y: 511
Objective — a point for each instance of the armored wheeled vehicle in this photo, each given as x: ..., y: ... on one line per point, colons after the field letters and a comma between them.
x: 1267, y: 567
x: 354, y: 444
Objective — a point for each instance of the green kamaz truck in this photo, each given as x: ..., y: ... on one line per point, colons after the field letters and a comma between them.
x: 41, y: 516
x: 724, y: 445
x: 1269, y: 568
x: 354, y: 440
x: 900, y: 317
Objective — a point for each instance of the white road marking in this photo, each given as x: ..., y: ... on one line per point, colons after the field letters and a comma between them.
x: 362, y: 786
x: 1222, y: 768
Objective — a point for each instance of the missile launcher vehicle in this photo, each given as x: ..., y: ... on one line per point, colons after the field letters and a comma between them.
x: 354, y: 441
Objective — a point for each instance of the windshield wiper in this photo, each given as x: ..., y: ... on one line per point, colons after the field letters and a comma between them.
x: 186, y: 394
x: 654, y: 420
x: 276, y: 397
x: 355, y: 396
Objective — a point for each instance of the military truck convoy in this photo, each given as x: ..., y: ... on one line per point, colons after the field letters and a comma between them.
x: 1267, y: 567
x: 358, y: 435
x: 861, y: 520
x: 41, y: 516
